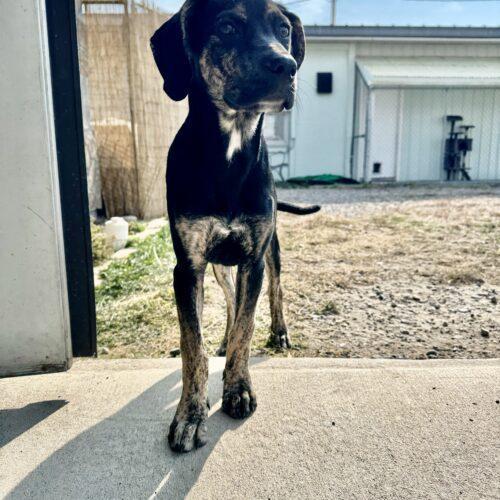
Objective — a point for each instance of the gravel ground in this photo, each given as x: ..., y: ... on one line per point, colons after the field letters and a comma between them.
x: 405, y: 272
x: 349, y: 201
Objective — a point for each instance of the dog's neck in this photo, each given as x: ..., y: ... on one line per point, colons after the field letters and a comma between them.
x: 239, y: 127
x: 232, y: 131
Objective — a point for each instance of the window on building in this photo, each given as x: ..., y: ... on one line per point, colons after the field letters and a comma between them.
x: 277, y: 128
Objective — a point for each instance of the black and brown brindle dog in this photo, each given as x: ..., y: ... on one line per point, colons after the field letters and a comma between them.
x: 235, y: 59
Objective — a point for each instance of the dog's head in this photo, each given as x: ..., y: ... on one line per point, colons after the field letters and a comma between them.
x: 243, y: 53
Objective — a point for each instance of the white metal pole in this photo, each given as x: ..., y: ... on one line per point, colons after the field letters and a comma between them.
x: 334, y: 12
x: 368, y: 131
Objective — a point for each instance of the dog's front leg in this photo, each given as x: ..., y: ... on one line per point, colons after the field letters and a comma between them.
x: 238, y: 399
x: 188, y: 429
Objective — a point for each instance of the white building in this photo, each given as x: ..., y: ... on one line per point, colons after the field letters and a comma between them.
x: 391, y: 90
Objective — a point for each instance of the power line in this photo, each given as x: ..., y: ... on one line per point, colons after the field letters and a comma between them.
x: 293, y: 2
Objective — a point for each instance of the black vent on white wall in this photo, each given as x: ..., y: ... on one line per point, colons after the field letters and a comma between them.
x: 324, y: 83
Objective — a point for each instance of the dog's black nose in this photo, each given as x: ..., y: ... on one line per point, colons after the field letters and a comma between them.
x: 280, y: 65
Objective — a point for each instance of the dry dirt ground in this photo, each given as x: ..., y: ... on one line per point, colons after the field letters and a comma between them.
x: 401, y: 272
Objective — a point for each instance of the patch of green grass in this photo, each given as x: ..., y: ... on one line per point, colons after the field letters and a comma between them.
x: 153, y: 258
x: 136, y: 226
x: 135, y: 304
x: 137, y: 321
x: 102, y: 249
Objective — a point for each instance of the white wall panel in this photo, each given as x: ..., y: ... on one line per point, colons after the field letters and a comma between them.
x: 323, y: 125
x: 480, y: 107
x: 34, y: 323
x: 384, y: 136
x: 425, y: 130
x: 423, y: 133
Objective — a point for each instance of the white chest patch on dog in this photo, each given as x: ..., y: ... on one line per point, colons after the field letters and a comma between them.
x: 239, y: 128
x: 235, y: 143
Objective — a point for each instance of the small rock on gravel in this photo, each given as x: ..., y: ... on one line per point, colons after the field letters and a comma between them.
x: 175, y: 352
x: 485, y: 333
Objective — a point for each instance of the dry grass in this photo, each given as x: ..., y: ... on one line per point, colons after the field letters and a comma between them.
x: 102, y: 249
x: 412, y: 280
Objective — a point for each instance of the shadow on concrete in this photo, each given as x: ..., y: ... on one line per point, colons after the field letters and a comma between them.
x: 15, y: 421
x: 127, y: 454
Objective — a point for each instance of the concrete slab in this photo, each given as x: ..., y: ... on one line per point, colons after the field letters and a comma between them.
x: 323, y: 429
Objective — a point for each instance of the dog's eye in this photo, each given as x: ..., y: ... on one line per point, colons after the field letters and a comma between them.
x: 227, y: 29
x: 284, y: 31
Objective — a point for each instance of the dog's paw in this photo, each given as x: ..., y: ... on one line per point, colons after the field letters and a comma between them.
x: 187, y: 434
x: 279, y: 339
x: 239, y: 401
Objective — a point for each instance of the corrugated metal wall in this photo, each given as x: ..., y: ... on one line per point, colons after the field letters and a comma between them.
x: 424, y: 130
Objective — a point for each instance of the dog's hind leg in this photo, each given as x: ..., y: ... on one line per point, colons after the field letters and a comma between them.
x: 225, y: 279
x: 188, y: 429
x: 279, y: 334
x: 238, y: 399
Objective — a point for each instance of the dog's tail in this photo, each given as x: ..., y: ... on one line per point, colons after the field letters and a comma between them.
x: 295, y: 209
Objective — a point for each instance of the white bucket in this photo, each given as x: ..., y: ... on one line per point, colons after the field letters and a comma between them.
x: 117, y: 230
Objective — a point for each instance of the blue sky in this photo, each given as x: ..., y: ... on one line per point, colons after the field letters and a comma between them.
x: 400, y: 12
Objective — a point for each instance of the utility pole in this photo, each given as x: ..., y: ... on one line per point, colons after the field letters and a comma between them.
x: 334, y: 12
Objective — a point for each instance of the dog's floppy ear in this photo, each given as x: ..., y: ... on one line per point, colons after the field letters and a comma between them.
x: 170, y: 56
x: 298, y: 36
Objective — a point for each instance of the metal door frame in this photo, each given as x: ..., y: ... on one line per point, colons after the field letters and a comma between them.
x: 67, y: 103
